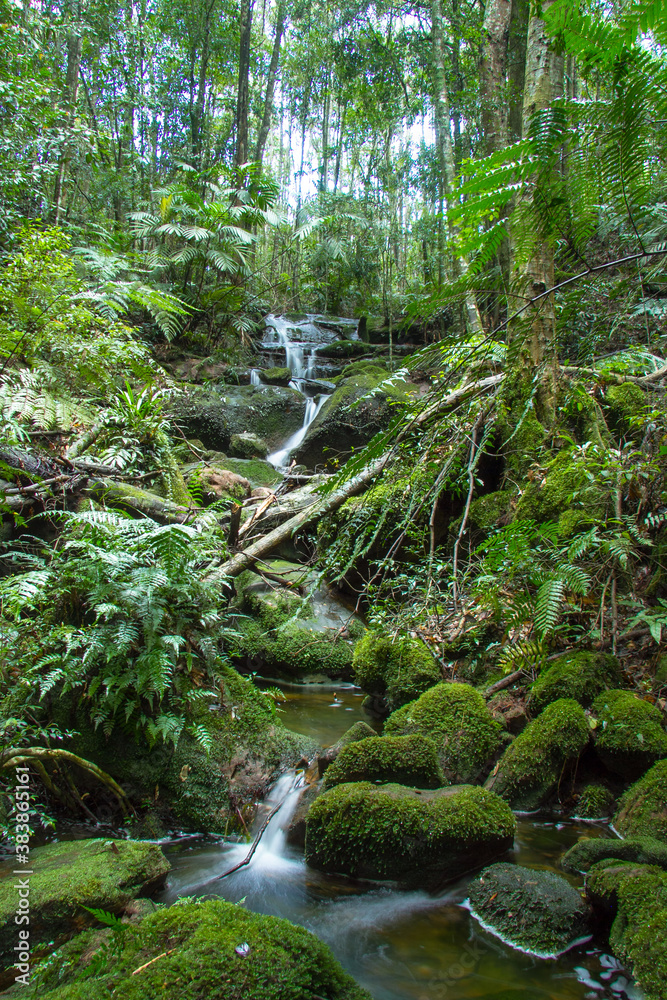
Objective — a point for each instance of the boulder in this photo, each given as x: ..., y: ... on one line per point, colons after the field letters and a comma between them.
x: 344, y: 349
x: 531, y: 768
x: 595, y: 802
x: 588, y: 851
x: 213, y: 414
x: 393, y: 832
x: 632, y: 898
x: 629, y: 736
x: 212, y: 483
x: 535, y: 911
x: 275, y: 376
x: 257, y: 472
x: 399, y: 669
x: 406, y: 760
x: 581, y: 676
x: 296, y: 831
x: 362, y: 405
x: 642, y: 811
x: 199, y: 951
x: 456, y: 718
x: 359, y: 731
x: 248, y: 445
x: 102, y: 874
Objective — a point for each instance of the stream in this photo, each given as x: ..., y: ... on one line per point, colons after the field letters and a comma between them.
x: 400, y: 945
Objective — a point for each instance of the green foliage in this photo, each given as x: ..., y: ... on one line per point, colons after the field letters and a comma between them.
x: 121, y: 614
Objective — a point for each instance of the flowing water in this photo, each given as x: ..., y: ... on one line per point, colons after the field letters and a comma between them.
x: 400, y: 945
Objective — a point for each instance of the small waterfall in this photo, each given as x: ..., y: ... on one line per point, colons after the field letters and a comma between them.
x: 294, y: 349
x: 254, y: 377
x: 279, y: 459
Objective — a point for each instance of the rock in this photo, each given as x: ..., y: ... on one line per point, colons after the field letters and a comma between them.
x: 628, y: 737
x: 257, y: 472
x: 199, y: 414
x: 623, y: 403
x: 581, y: 676
x: 633, y: 898
x: 546, y: 499
x: 535, y: 911
x: 200, y: 951
x: 488, y: 511
x: 394, y: 832
x: 248, y: 445
x: 344, y: 349
x: 214, y: 484
x: 399, y: 669
x: 213, y: 414
x: 456, y: 718
x: 296, y: 831
x: 642, y: 810
x: 509, y: 711
x: 276, y: 376
x: 360, y: 407
x: 406, y: 760
x: 589, y: 851
x: 359, y: 731
x: 531, y: 768
x: 102, y: 874
x: 595, y: 802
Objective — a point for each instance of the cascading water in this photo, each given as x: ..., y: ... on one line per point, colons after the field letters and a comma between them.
x: 279, y: 459
x: 254, y: 377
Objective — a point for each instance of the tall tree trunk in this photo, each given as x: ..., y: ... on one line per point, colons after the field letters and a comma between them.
x: 446, y: 152
x: 74, y: 51
x: 492, y: 73
x: 536, y: 330
x: 243, y: 93
x: 270, y: 84
x: 516, y: 66
x: 197, y: 107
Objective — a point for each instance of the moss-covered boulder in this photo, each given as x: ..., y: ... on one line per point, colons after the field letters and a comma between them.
x: 595, y: 802
x: 486, y: 511
x: 359, y: 731
x: 255, y: 470
x: 103, y: 874
x: 565, y: 485
x: 629, y: 735
x: 536, y: 911
x: 588, y: 851
x: 581, y: 676
x: 195, y: 787
x: 406, y: 760
x: 200, y: 951
x: 393, y: 832
x: 624, y: 403
x: 642, y: 811
x: 530, y: 769
x: 248, y: 445
x: 209, y: 484
x: 399, y: 669
x: 344, y: 349
x: 633, y: 899
x: 360, y: 406
x: 214, y: 413
x: 458, y: 721
x: 275, y: 376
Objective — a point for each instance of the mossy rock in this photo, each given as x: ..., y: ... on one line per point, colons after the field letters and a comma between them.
x: 215, y: 414
x: 529, y: 771
x: 458, y: 721
x: 642, y: 811
x: 633, y: 897
x: 400, y: 669
x: 200, y: 951
x: 359, y: 731
x: 406, y: 760
x: 275, y: 376
x: 629, y: 737
x: 191, y: 786
x: 581, y: 676
x: 102, y: 874
x: 565, y: 486
x: 536, y: 911
x: 589, y: 851
x: 393, y: 832
x: 255, y: 470
x: 344, y: 349
x: 248, y: 445
x: 486, y: 511
x: 625, y: 403
x: 595, y: 802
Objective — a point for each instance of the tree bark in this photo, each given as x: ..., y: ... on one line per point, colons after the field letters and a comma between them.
x: 243, y: 93
x: 270, y: 84
x: 516, y: 66
x: 74, y: 52
x: 492, y: 74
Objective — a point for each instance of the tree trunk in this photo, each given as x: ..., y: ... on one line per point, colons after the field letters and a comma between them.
x: 74, y: 52
x: 270, y: 84
x: 516, y: 66
x: 243, y: 94
x: 492, y: 73
x: 446, y: 152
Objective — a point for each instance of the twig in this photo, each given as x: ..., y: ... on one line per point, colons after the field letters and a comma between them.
x: 472, y: 463
x: 505, y: 682
x: 249, y: 856
x: 257, y: 514
x: 146, y: 964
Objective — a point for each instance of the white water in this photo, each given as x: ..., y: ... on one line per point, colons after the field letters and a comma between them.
x: 254, y: 377
x: 279, y: 459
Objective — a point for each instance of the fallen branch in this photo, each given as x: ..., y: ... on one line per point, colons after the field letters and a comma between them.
x: 27, y: 755
x: 504, y: 683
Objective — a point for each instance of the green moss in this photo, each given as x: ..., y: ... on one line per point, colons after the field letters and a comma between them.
x: 257, y: 472
x: 401, y: 670
x: 276, y: 376
x: 625, y: 402
x: 248, y: 446
x: 359, y: 731
x: 595, y: 802
x: 565, y: 486
x: 407, y: 760
x: 537, y: 911
x: 642, y: 810
x: 291, y: 650
x: 456, y: 718
x: 69, y: 876
x: 629, y: 737
x: 588, y: 852
x: 635, y: 896
x: 581, y: 676
x: 393, y: 832
x: 356, y: 367
x: 191, y: 951
x: 343, y: 349
x: 486, y: 511
x: 530, y: 770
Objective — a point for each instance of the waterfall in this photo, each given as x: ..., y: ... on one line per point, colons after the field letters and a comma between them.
x: 254, y: 377
x: 279, y: 459
x: 294, y: 349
